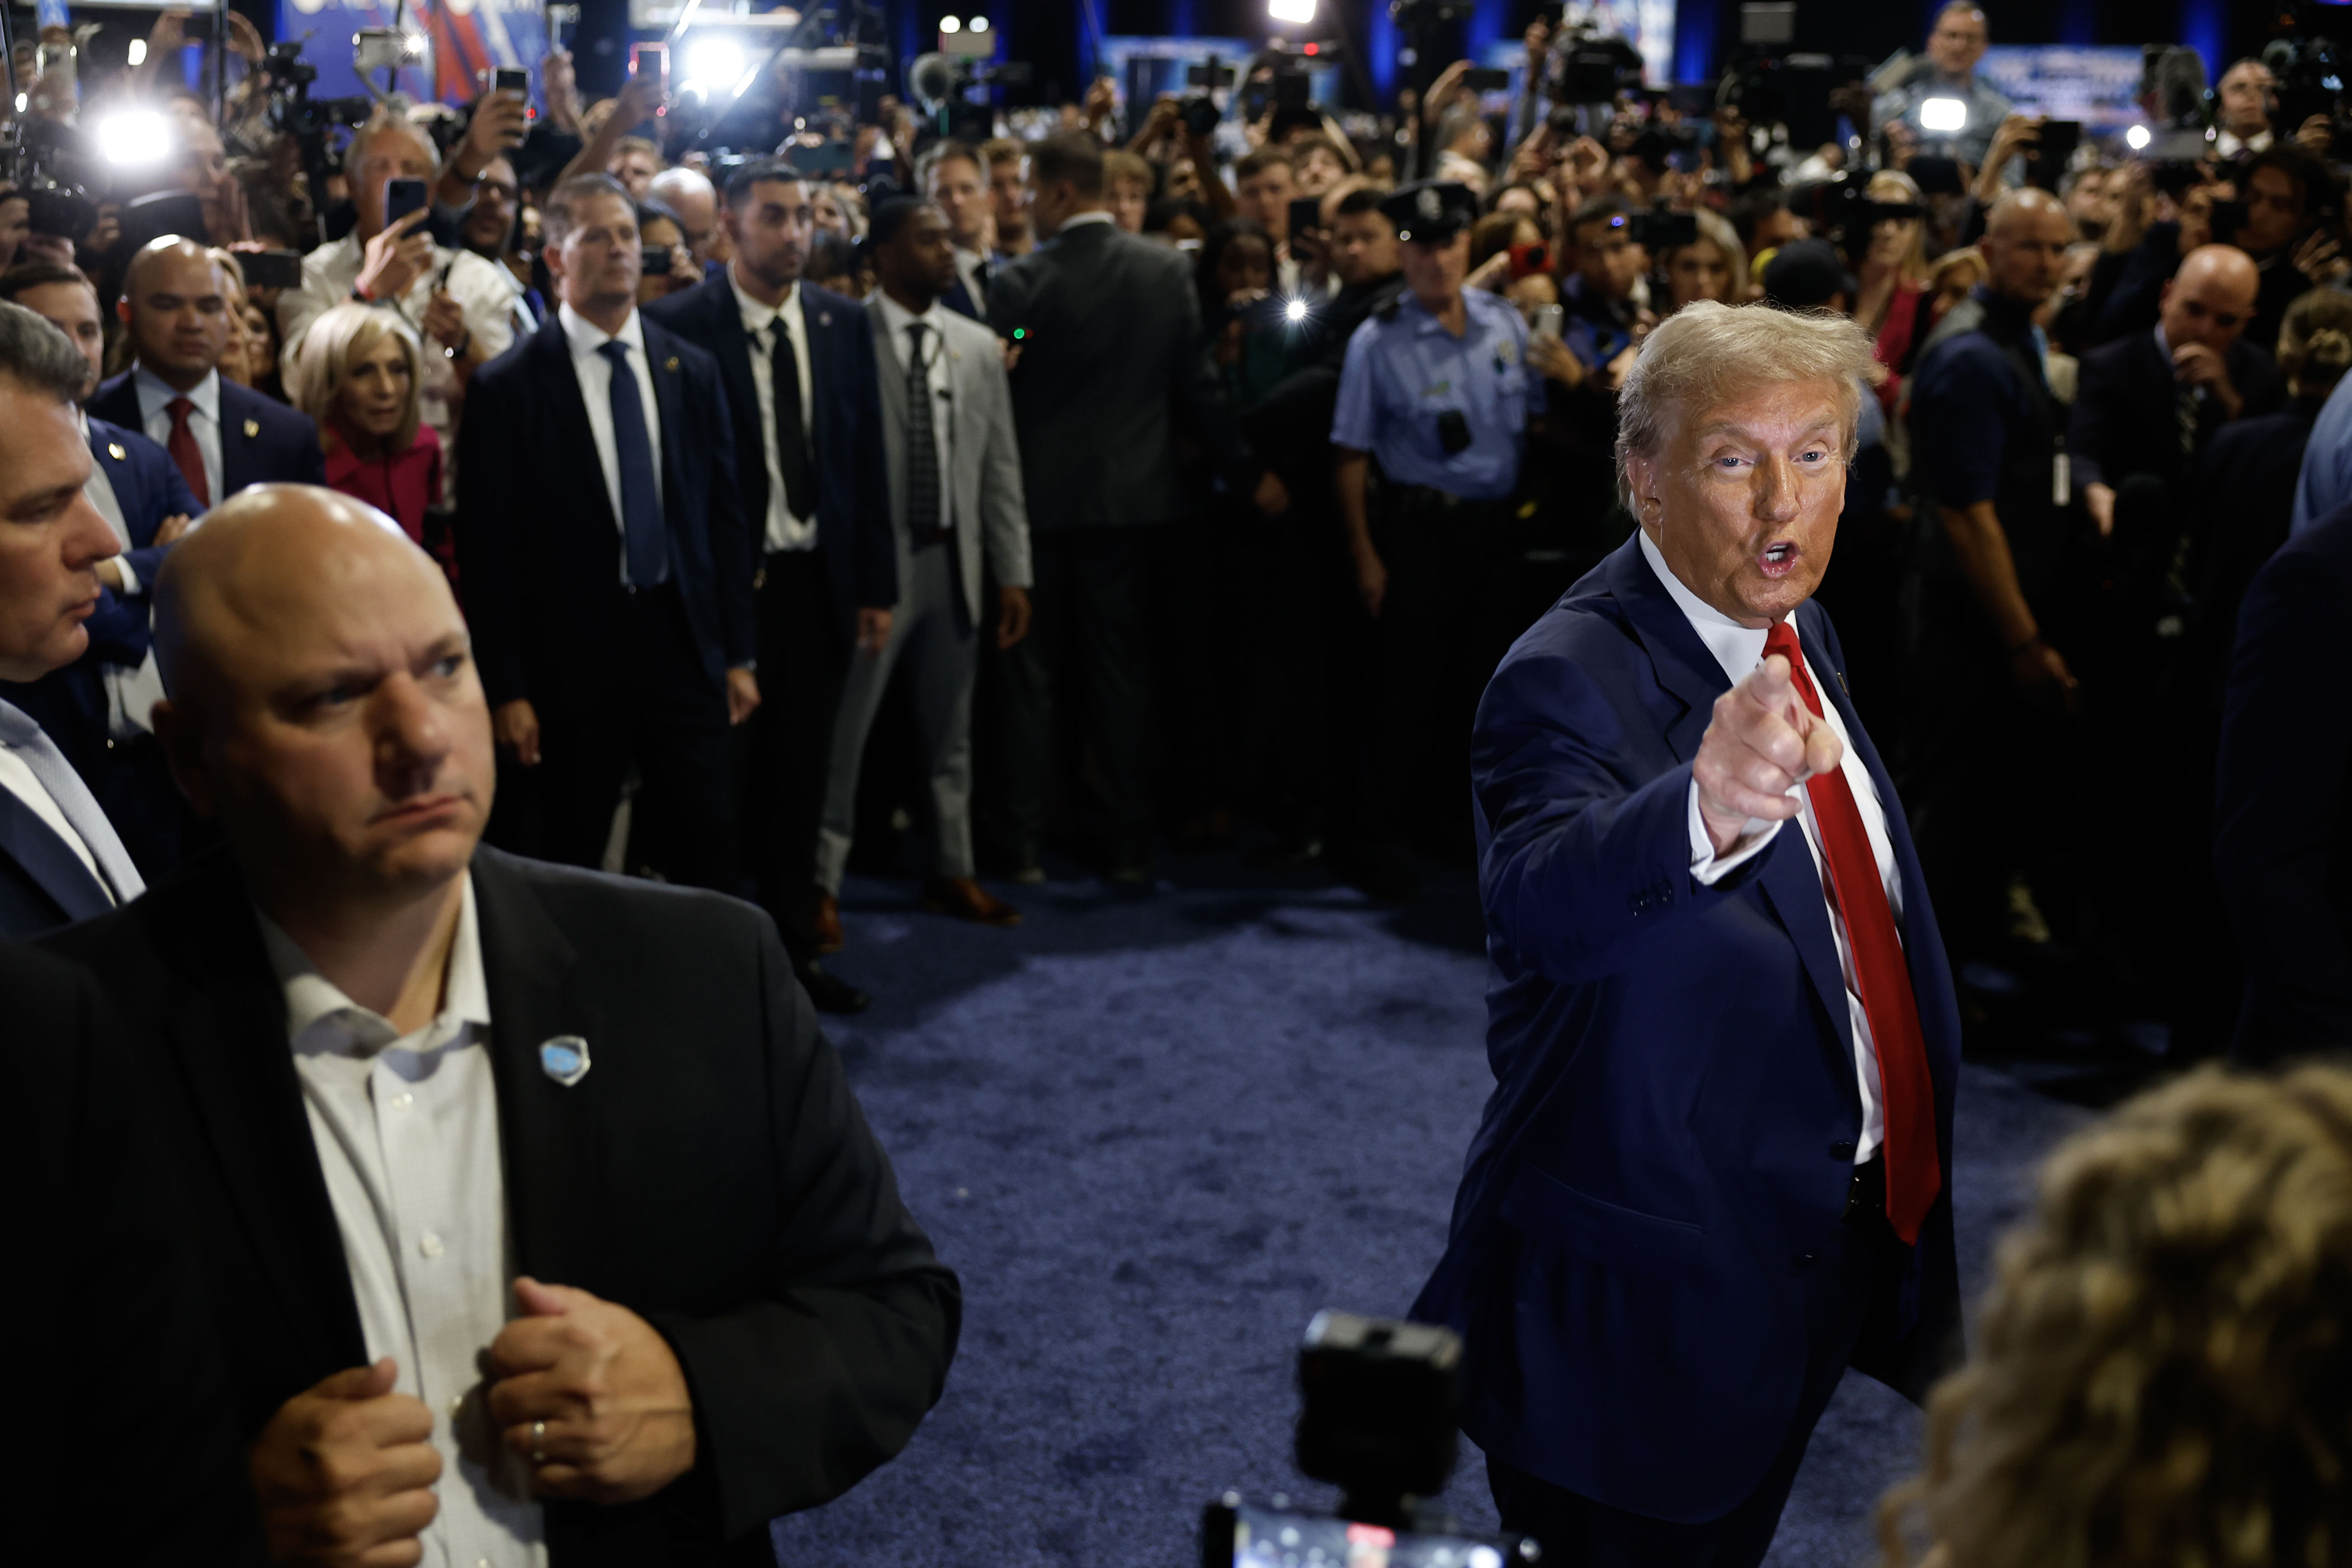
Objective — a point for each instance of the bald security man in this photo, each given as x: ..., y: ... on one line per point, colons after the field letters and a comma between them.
x: 221, y: 437
x: 537, y: 1215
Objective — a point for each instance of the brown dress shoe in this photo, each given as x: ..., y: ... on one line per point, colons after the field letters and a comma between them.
x: 825, y: 925
x: 967, y: 901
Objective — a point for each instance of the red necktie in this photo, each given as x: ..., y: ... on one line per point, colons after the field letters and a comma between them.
x: 1906, y: 1091
x: 185, y: 453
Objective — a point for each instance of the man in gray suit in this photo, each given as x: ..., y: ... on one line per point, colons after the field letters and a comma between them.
x: 1108, y: 330
x: 955, y: 487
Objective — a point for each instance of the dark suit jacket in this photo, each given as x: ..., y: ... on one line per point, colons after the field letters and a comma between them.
x: 2244, y: 490
x: 853, y: 494
x: 262, y: 440
x: 1672, y: 1130
x: 43, y: 883
x: 711, y: 1171
x: 539, y: 548
x: 1108, y: 327
x: 2282, y: 822
x: 2124, y: 422
x: 148, y: 486
x: 106, y: 1264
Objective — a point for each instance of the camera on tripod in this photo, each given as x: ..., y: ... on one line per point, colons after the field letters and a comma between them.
x: 1379, y: 1419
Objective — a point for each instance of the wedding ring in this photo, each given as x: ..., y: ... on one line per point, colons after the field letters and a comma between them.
x: 538, y: 1442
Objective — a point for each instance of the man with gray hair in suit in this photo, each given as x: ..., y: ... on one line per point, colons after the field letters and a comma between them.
x: 955, y: 492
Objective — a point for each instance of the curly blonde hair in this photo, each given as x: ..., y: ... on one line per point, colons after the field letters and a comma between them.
x: 2163, y: 1377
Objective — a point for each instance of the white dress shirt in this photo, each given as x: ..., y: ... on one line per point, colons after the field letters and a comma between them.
x: 780, y: 529
x: 969, y: 265
x: 19, y: 780
x: 155, y: 419
x: 1739, y: 649
x: 595, y: 373
x: 2229, y: 143
x: 898, y: 318
x: 406, y: 1129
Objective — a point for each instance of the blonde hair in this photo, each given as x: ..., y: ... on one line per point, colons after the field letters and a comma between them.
x: 2314, y: 342
x: 1715, y: 229
x: 1706, y: 349
x: 1895, y: 187
x: 2163, y: 1376
x: 339, y: 336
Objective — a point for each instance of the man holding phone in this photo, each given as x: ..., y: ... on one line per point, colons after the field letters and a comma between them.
x: 460, y: 304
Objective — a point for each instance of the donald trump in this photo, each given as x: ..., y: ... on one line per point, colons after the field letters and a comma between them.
x: 1716, y: 1170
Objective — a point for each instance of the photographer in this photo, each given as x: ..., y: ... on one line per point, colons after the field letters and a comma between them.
x: 2293, y: 229
x: 1953, y: 47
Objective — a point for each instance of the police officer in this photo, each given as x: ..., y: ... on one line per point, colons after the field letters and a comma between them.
x: 1986, y: 684
x: 1948, y: 76
x: 1436, y: 397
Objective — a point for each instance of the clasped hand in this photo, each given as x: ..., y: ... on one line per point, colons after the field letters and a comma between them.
x: 1762, y: 742
x: 618, y: 1418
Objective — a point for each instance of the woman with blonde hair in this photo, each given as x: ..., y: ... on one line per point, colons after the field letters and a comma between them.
x: 1714, y: 267
x: 359, y: 378
x: 2163, y: 1367
x: 1893, y: 276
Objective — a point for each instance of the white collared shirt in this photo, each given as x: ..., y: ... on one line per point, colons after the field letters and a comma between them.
x: 779, y: 530
x: 2228, y: 143
x: 100, y: 491
x: 18, y: 779
x: 155, y: 398
x: 898, y: 319
x: 1739, y: 649
x: 969, y: 266
x: 596, y: 373
x: 1093, y: 214
x: 406, y: 1129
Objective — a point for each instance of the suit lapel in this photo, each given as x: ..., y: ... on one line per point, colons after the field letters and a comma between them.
x: 49, y: 861
x: 732, y: 346
x: 236, y: 454
x: 669, y: 402
x: 570, y: 411
x: 816, y: 318
x: 1684, y: 665
x: 549, y: 1132
x: 891, y: 371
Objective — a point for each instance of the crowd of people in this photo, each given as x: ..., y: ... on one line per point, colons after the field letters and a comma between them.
x: 1152, y: 482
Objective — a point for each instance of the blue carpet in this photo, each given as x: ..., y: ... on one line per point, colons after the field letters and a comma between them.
x: 1155, y: 1136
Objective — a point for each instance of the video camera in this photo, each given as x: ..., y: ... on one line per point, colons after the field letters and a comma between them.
x: 1379, y: 1419
x: 2309, y: 70
x: 1840, y: 208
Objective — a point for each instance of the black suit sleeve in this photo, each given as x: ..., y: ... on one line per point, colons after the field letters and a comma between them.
x: 489, y: 438
x: 127, y: 1434
x: 1200, y: 402
x: 2097, y: 423
x: 309, y: 457
x: 2286, y: 742
x: 877, y: 550
x: 800, y: 1393
x: 728, y: 548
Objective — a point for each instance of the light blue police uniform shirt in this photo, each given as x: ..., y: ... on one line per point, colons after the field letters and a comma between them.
x: 1403, y: 373
x: 2325, y: 482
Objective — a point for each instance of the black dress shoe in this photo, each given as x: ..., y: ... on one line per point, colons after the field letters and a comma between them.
x: 830, y: 993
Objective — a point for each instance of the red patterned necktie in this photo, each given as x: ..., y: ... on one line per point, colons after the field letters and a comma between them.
x: 1906, y: 1091
x: 186, y: 456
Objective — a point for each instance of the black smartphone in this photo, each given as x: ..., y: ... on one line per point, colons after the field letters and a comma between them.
x: 272, y: 268
x: 655, y: 260
x: 1306, y: 215
x: 1290, y: 92
x: 2229, y: 218
x: 504, y: 79
x: 651, y: 59
x: 1486, y: 78
x: 2046, y: 161
x: 1200, y: 115
x: 1937, y: 177
x: 402, y: 197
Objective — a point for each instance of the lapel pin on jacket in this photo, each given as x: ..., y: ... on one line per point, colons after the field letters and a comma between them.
x: 824, y: 317
x: 670, y: 363
x: 115, y: 450
x: 252, y: 428
x: 564, y: 1059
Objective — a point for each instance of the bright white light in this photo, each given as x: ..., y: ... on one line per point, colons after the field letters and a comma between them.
x: 138, y: 51
x: 1299, y: 12
x: 1295, y: 311
x: 978, y: 25
x: 22, y: 99
x: 135, y: 136
x: 1942, y: 114
x: 950, y: 25
x: 714, y: 61
x: 2137, y: 138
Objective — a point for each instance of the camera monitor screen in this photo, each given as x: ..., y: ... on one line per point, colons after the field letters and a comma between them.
x: 1241, y: 1534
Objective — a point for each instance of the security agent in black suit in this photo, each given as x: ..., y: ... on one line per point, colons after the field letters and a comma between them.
x: 611, y: 608
x: 720, y: 1309
x: 129, y: 1456
x: 798, y: 364
x: 1108, y: 330
x: 2282, y: 827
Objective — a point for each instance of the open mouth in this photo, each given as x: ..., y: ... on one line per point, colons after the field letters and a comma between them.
x: 1779, y: 558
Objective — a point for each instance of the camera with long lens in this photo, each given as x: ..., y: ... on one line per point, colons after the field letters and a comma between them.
x: 2309, y: 70
x: 1379, y: 1418
x: 1839, y: 209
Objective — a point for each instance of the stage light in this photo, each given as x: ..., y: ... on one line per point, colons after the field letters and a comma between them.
x: 714, y: 62
x: 2137, y: 138
x: 133, y: 137
x: 1942, y: 114
x: 978, y: 25
x: 951, y: 25
x: 1295, y: 311
x: 1296, y: 12
x: 138, y: 51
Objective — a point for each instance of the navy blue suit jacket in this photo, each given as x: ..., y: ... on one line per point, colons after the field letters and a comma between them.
x: 148, y: 489
x: 1674, y: 1079
x: 853, y: 493
x: 262, y: 440
x: 539, y: 546
x: 43, y: 883
x: 2283, y: 819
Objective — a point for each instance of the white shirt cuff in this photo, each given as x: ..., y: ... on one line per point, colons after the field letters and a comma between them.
x: 1707, y: 866
x: 130, y: 579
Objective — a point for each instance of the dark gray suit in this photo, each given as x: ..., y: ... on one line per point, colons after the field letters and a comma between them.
x: 1110, y: 333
